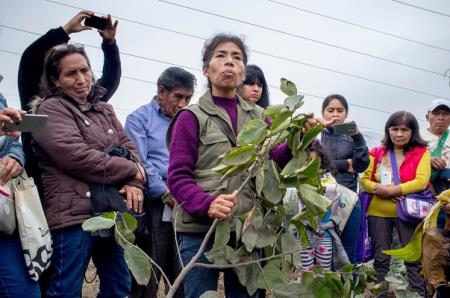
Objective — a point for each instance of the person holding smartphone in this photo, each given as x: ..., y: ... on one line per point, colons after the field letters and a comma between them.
x: 31, y: 68
x: 14, y: 278
x: 350, y: 155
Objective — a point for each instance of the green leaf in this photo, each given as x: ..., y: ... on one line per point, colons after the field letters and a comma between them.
x: 123, y: 229
x: 293, y: 165
x: 265, y: 238
x: 293, y: 102
x: 129, y: 221
x: 271, y: 190
x: 272, y: 110
x: 289, y: 243
x: 238, y: 228
x: 259, y: 180
x: 252, y: 276
x: 222, y: 233
x: 222, y: 169
x: 287, y: 290
x: 254, y: 132
x: 310, y: 169
x: 249, y: 233
x: 413, y: 250
x: 347, y: 268
x: 309, y: 136
x: 301, y: 232
x: 281, y: 121
x: 318, y: 203
x: 321, y: 288
x: 210, y: 294
x: 138, y: 263
x: 239, y: 155
x: 288, y: 87
x: 97, y: 223
x: 234, y: 170
x: 273, y: 274
x: 220, y: 255
x: 347, y: 289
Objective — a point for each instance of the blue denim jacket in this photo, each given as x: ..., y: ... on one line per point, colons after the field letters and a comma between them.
x: 12, y: 146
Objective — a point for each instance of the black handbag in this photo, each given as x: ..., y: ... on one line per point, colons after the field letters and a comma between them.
x: 106, y: 198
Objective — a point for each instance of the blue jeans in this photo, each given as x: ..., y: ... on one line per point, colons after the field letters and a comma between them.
x: 350, y: 234
x: 15, y: 282
x: 200, y: 280
x: 72, y: 250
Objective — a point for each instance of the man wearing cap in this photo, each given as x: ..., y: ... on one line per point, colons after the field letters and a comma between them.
x: 436, y: 135
x: 147, y: 127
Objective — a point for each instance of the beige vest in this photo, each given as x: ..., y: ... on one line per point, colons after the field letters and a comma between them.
x: 213, y: 143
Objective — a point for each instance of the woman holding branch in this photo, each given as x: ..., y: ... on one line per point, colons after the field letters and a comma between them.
x: 199, y: 135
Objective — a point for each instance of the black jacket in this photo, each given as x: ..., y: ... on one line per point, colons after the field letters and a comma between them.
x: 342, y: 147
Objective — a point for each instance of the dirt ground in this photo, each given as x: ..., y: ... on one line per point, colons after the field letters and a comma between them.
x: 90, y: 289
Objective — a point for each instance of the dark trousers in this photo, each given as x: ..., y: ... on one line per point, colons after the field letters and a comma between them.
x: 381, y: 231
x: 160, y: 245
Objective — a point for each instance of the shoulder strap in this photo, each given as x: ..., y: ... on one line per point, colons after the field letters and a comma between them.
x: 441, y: 143
x: 394, y: 167
x: 225, y: 129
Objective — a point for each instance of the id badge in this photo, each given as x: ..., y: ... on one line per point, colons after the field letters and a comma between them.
x: 386, y: 178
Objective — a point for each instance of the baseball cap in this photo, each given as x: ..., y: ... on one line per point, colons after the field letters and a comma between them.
x: 437, y: 103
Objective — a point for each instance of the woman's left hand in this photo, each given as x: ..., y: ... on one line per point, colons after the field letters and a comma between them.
x: 387, y: 191
x: 109, y: 33
x: 134, y: 196
x: 11, y: 169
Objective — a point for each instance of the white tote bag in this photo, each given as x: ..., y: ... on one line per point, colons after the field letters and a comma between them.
x: 32, y: 224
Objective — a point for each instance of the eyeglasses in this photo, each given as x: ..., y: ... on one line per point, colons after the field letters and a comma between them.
x: 65, y: 47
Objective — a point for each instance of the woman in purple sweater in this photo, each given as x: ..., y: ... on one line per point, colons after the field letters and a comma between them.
x: 199, y: 135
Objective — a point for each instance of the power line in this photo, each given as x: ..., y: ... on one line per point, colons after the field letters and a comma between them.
x: 271, y: 86
x: 360, y: 26
x: 422, y: 8
x: 264, y: 53
x: 304, y: 38
x: 256, y: 51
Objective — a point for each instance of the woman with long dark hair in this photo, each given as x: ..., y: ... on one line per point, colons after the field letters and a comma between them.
x: 402, y: 140
x: 350, y: 157
x: 255, y: 88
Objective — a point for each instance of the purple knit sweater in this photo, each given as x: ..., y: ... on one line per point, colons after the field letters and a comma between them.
x: 183, y: 155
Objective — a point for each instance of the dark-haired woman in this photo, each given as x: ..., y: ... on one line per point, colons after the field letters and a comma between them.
x: 413, y: 165
x: 349, y: 154
x: 71, y: 155
x: 197, y: 143
x: 254, y: 88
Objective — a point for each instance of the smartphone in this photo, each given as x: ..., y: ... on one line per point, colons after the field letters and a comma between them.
x: 344, y: 128
x: 96, y: 22
x: 29, y: 123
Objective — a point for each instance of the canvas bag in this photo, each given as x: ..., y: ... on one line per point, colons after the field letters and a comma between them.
x: 32, y: 225
x: 414, y: 207
x: 344, y: 200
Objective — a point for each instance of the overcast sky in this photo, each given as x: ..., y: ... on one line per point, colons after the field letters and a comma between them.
x: 382, y: 55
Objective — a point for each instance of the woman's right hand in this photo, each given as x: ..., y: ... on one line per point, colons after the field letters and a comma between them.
x: 74, y: 25
x: 10, y: 115
x: 222, y: 206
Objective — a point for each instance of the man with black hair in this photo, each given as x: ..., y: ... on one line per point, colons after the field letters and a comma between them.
x: 147, y: 127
